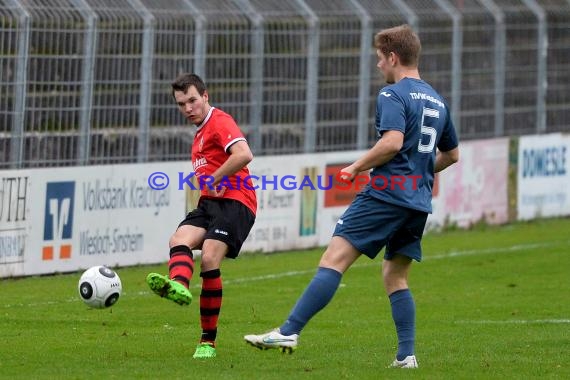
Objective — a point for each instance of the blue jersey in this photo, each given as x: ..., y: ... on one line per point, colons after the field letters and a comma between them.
x: 414, y: 108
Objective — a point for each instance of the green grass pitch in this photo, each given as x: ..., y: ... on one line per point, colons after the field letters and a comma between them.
x: 492, y: 302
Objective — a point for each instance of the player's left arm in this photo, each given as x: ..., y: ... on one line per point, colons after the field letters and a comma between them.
x: 446, y: 159
x: 239, y: 156
x: 448, y: 147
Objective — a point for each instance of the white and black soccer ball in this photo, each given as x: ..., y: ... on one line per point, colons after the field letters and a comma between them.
x: 100, y: 287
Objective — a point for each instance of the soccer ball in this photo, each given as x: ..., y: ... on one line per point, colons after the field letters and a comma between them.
x: 100, y: 287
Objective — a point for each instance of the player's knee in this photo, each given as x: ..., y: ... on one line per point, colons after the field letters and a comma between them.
x: 394, y: 282
x: 334, y: 262
x: 339, y: 255
x: 213, y: 252
x: 181, y: 239
x: 210, y: 260
x: 176, y: 239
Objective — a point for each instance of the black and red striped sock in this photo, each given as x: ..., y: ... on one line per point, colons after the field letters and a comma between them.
x: 181, y: 265
x: 210, y: 304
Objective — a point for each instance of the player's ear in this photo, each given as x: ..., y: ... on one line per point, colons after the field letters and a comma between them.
x: 206, y: 96
x: 393, y: 58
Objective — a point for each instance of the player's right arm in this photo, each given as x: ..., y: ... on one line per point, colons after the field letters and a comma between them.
x: 383, y: 151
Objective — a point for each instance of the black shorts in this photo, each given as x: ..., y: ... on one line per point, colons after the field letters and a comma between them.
x: 226, y: 220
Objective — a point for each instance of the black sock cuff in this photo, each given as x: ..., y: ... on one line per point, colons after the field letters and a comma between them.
x: 397, y: 293
x: 181, y: 249
x: 211, y: 273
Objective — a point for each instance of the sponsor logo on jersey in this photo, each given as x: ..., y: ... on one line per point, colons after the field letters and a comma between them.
x: 199, y: 162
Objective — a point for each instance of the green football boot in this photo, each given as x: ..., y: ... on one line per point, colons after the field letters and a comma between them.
x: 169, y: 289
x: 205, y: 350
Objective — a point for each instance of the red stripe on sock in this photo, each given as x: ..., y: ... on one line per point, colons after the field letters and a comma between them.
x: 181, y: 268
x: 210, y: 302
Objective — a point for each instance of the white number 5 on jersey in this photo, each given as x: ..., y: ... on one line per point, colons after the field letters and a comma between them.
x: 429, y: 117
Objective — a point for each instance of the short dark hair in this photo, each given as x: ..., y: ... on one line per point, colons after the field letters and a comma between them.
x: 184, y: 81
x: 401, y: 40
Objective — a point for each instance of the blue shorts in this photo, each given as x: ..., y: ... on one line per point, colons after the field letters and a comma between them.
x: 370, y: 224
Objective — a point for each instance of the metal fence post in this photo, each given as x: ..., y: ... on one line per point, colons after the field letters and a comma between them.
x: 87, y: 80
x: 457, y: 46
x: 20, y: 86
x: 409, y: 14
x: 256, y: 91
x: 541, y: 75
x: 312, y: 77
x: 499, y: 51
x: 199, y: 39
x: 364, y: 77
x: 146, y: 79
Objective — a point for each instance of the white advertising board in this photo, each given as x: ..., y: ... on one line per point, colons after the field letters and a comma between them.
x: 67, y: 219
x: 287, y: 206
x: 543, y: 176
x: 333, y: 202
x: 99, y: 215
x: 475, y: 188
x: 15, y: 203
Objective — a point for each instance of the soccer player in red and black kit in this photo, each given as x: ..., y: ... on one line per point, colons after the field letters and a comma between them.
x: 225, y: 212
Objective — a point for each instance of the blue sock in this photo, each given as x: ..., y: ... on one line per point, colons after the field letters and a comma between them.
x: 317, y: 295
x: 404, y: 315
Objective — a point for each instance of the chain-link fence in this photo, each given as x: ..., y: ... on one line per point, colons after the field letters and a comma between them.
x: 88, y: 81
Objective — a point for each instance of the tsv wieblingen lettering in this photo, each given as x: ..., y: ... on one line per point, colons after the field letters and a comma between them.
x: 110, y: 196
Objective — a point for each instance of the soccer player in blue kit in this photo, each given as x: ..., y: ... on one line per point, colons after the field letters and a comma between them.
x: 412, y: 120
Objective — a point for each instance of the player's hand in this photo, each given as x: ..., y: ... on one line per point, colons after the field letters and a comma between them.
x: 217, y: 191
x: 348, y: 174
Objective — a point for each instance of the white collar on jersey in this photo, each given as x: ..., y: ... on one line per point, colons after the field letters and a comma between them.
x: 206, y: 118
